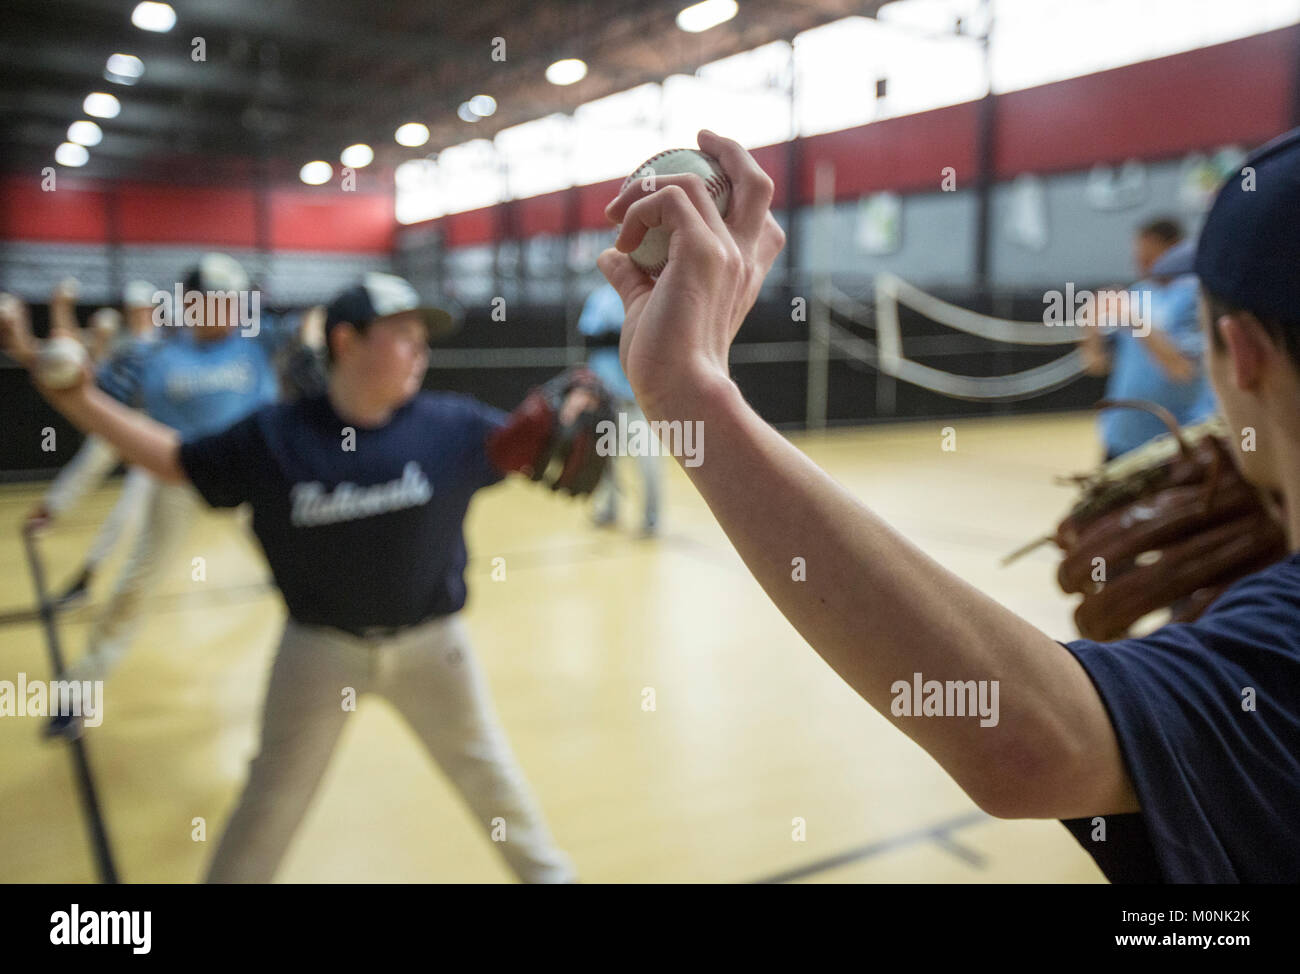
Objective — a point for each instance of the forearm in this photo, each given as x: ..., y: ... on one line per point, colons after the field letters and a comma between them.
x: 140, y: 440
x: 1172, y: 361
x: 878, y: 610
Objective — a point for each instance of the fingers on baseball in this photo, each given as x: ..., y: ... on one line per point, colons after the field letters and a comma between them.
x: 623, y: 275
x: 673, y: 208
x: 751, y: 188
x: 690, y: 183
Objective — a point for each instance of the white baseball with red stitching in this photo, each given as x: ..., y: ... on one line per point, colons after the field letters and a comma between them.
x: 652, y: 255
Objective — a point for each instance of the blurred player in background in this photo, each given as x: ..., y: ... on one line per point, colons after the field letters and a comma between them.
x: 213, y: 370
x: 1162, y: 362
x: 95, y: 459
x: 601, y: 323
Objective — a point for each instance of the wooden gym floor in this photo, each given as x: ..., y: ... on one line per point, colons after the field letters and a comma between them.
x: 750, y: 732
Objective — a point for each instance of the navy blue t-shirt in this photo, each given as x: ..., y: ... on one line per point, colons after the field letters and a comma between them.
x: 1208, y: 719
x: 356, y: 538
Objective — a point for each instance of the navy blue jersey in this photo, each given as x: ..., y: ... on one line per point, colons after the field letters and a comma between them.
x: 1208, y: 719
x: 356, y: 538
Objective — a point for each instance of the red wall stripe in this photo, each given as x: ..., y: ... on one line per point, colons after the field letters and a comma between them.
x: 904, y: 154
x: 67, y: 213
x: 352, y: 222
x: 182, y: 214
x: 1239, y: 92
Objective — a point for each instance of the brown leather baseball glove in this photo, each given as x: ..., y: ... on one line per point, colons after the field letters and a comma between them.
x: 1169, y: 525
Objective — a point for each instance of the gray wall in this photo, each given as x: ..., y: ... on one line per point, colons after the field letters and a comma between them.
x: 290, y: 278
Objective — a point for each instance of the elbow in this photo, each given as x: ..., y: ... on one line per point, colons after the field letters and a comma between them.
x: 1027, y: 775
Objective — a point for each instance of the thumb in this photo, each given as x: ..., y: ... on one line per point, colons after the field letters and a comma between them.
x: 625, y: 277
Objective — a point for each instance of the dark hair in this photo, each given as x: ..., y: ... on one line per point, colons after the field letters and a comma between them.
x: 1284, y: 332
x: 1164, y: 229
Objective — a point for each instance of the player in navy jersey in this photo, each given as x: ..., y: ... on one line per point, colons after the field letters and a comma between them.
x: 359, y: 497
x: 1174, y: 756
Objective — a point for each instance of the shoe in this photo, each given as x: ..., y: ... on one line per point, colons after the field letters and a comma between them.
x: 650, y: 528
x: 76, y: 594
x: 67, y: 727
x: 604, y: 519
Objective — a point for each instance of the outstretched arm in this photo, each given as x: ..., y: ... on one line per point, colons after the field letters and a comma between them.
x: 875, y: 607
x: 140, y: 440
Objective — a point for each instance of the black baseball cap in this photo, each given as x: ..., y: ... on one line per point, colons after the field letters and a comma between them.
x: 1249, y: 250
x: 380, y: 295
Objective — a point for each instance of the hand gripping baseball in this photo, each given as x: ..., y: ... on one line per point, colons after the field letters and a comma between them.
x: 678, y: 329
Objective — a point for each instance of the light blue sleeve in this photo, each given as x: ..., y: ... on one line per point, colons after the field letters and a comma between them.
x: 603, y: 312
x: 1177, y: 314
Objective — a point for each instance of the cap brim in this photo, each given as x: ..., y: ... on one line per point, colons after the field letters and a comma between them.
x: 442, y: 322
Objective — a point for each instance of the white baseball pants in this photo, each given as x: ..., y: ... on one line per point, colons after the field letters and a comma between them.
x: 132, y: 502
x: 430, y: 675
x: 171, y: 511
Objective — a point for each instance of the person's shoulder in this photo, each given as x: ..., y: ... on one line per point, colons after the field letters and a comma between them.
x: 136, y: 348
x: 1260, y: 614
x: 284, y: 414
x: 455, y: 410
x: 1272, y: 594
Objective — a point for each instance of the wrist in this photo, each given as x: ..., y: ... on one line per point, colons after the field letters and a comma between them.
x: 697, y: 393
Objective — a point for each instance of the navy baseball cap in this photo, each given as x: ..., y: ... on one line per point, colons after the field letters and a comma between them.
x: 1249, y: 251
x: 380, y: 295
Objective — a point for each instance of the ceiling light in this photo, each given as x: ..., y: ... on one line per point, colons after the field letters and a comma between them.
x: 412, y: 134
x: 101, y: 105
x: 357, y: 156
x: 156, y: 17
x: 701, y: 16
x: 466, y: 114
x: 71, y: 154
x: 125, y: 66
x: 566, y: 72
x: 483, y: 105
x: 316, y: 173
x: 85, y: 133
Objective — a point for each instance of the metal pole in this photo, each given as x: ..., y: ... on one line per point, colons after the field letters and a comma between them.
x: 985, y: 160
x: 819, y: 322
x: 81, y: 765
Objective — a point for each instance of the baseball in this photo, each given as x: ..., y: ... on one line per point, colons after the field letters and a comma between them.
x: 60, y: 362
x: 106, y: 321
x: 652, y: 255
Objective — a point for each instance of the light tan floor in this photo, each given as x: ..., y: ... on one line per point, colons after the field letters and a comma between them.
x: 751, y: 730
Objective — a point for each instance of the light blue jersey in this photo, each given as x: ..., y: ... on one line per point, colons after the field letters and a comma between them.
x: 1135, y: 373
x: 199, y: 387
x: 603, y: 315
